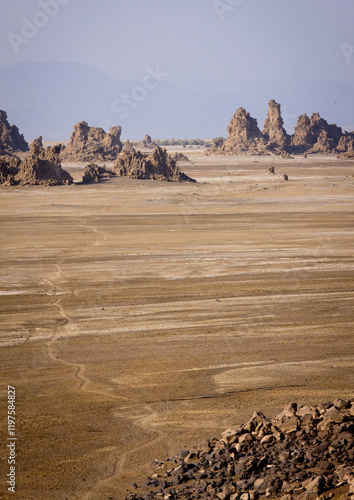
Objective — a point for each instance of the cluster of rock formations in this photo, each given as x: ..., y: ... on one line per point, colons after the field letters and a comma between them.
x: 43, y: 166
x: 304, y: 453
x: 157, y: 165
x: 92, y: 143
x: 40, y: 167
x: 312, y: 134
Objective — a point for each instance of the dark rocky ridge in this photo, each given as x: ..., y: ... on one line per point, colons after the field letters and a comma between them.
x: 304, y: 453
x: 312, y: 135
x: 158, y: 165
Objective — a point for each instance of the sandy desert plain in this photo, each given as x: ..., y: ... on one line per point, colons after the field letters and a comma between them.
x: 141, y: 317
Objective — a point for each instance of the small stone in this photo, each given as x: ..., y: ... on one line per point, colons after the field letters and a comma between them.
x: 245, y: 438
x: 260, y: 484
x: 334, y: 415
x: 289, y: 424
x: 268, y: 439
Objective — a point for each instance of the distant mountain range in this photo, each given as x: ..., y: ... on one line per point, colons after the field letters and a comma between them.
x: 49, y: 98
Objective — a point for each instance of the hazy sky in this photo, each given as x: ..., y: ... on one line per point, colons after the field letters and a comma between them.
x: 190, y: 39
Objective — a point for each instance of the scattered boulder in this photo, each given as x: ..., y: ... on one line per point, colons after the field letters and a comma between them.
x: 285, y: 177
x: 157, y: 165
x: 288, y: 456
x: 272, y: 170
x: 180, y: 157
x: 10, y: 137
x: 94, y: 173
x: 92, y: 143
x: 42, y: 167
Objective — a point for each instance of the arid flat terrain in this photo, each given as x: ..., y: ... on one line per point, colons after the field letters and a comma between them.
x: 140, y: 317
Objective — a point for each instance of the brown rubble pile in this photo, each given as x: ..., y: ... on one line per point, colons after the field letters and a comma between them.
x: 312, y: 134
x: 157, y: 165
x: 10, y: 137
x: 94, y: 173
x: 304, y: 453
x: 146, y: 143
x: 40, y: 167
x: 92, y: 143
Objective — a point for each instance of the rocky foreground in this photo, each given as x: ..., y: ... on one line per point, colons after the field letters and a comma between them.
x: 305, y: 453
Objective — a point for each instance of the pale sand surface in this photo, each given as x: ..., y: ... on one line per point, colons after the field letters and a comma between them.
x: 139, y: 317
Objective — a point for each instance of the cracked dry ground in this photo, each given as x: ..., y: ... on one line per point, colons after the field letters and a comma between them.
x: 139, y: 317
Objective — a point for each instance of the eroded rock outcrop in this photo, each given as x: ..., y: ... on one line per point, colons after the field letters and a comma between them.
x: 94, y: 173
x: 128, y: 146
x: 146, y: 143
x: 10, y: 137
x: 304, y: 453
x: 274, y: 131
x: 42, y: 167
x: 346, y: 146
x: 9, y: 166
x: 157, y: 165
x: 243, y: 134
x: 314, y: 135
x: 92, y: 143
